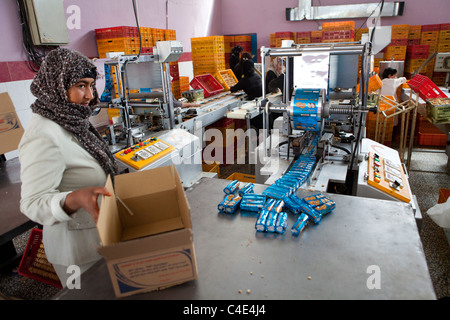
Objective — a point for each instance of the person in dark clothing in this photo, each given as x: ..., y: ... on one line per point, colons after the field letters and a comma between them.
x: 389, y: 73
x: 275, y: 76
x: 235, y: 57
x: 273, y: 71
x: 238, y: 70
x: 250, y: 82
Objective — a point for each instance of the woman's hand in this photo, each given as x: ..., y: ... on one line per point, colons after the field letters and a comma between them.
x: 85, y: 198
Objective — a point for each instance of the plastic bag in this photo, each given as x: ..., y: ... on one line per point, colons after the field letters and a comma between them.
x: 440, y: 214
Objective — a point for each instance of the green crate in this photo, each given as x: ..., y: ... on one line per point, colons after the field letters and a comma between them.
x: 438, y: 110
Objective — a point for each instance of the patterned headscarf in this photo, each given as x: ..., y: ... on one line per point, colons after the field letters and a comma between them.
x: 62, y: 69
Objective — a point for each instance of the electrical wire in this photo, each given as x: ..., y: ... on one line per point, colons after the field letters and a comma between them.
x: 341, y: 148
x: 35, y: 54
x: 376, y: 22
x: 137, y: 23
x: 365, y: 21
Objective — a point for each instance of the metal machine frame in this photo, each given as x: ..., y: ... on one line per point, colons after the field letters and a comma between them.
x: 358, y: 107
x: 166, y: 51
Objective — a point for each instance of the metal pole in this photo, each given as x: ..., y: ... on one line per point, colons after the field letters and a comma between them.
x: 170, y: 97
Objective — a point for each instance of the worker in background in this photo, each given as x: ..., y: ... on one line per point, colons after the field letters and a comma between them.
x: 389, y: 73
x: 235, y: 57
x: 238, y: 69
x: 64, y: 161
x: 274, y: 70
x: 250, y: 82
x: 392, y: 85
x: 275, y: 75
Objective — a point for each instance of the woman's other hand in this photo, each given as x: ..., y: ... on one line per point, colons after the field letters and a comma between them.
x: 85, y: 198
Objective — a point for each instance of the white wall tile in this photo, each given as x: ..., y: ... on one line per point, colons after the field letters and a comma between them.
x: 185, y: 69
x: 19, y: 95
x: 25, y: 117
x: 30, y: 96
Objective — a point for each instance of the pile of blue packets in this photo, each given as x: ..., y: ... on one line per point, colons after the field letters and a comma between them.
x: 311, y: 208
x: 271, y: 217
x: 233, y: 196
x: 287, y: 184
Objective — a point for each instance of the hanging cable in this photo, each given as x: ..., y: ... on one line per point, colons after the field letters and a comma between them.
x: 35, y: 54
x: 365, y: 21
x: 137, y: 23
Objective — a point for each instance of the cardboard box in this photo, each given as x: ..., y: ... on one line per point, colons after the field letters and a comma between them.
x: 11, y: 130
x: 146, y: 233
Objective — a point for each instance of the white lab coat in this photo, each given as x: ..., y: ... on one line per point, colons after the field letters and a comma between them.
x: 53, y: 163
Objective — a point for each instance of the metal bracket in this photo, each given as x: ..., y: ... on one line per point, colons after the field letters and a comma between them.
x: 306, y: 11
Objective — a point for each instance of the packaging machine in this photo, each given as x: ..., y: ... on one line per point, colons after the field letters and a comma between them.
x: 323, y: 114
x: 148, y: 118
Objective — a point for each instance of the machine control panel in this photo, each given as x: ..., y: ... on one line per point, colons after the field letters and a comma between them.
x: 142, y: 154
x: 388, y: 177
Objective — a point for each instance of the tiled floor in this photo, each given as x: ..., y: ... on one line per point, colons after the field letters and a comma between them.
x: 427, y: 175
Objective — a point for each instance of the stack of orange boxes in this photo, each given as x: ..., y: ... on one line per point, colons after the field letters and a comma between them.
x: 430, y: 36
x: 343, y: 31
x: 396, y: 50
x: 229, y: 44
x: 316, y: 36
x: 444, y: 38
x: 117, y: 39
x: 170, y: 34
x: 147, y: 40
x: 126, y: 39
x: 415, y: 56
x: 280, y: 36
x: 273, y: 40
x: 302, y: 37
x: 244, y: 41
x: 158, y: 35
x: 414, y: 35
x: 184, y: 84
x: 208, y: 54
x: 175, y: 74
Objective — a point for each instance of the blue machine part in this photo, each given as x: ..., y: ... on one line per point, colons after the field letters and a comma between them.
x: 306, y: 114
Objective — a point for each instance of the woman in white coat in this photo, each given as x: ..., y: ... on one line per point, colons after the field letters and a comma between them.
x: 64, y: 161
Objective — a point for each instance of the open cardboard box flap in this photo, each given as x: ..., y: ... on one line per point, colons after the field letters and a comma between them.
x: 145, y: 231
x: 143, y: 203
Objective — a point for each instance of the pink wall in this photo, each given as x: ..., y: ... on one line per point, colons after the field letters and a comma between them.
x: 266, y: 17
x: 190, y: 18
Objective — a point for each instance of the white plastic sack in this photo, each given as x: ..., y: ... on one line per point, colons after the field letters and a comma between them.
x: 440, y: 214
